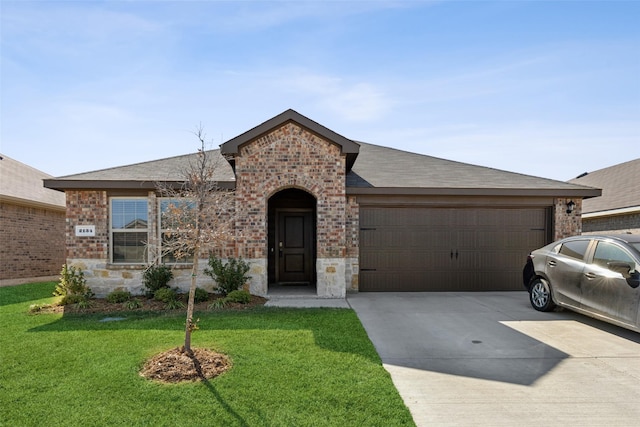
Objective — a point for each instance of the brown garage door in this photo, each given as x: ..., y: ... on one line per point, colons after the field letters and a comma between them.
x: 447, y: 249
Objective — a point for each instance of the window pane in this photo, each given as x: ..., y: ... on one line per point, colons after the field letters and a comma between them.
x: 607, y: 252
x: 181, y: 213
x: 174, y: 258
x: 129, y: 214
x: 129, y: 247
x: 575, y: 249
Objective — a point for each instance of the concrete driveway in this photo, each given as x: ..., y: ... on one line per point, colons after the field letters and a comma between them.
x: 489, y: 359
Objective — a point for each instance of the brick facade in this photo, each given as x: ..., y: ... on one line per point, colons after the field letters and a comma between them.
x: 284, y: 157
x: 566, y: 224
x: 33, y: 242
x: 288, y: 157
x: 352, y: 235
x: 612, y: 224
x: 87, y: 208
x: 292, y: 157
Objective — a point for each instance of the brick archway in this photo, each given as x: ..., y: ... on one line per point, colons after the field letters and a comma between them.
x: 291, y: 238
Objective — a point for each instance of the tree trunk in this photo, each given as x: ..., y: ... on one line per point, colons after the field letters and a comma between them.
x: 189, y: 325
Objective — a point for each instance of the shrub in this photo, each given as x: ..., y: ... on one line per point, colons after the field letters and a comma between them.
x: 218, y: 303
x: 132, y: 304
x: 200, y: 296
x: 157, y: 277
x: 165, y: 295
x: 230, y: 276
x: 85, y: 303
x: 71, y: 299
x: 72, y: 286
x: 118, y: 296
x: 174, y: 304
x: 239, y: 296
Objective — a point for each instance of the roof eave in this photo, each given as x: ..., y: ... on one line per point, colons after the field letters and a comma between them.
x: 31, y: 203
x: 76, y: 184
x: 611, y: 212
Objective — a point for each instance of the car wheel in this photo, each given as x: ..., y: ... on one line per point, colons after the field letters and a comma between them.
x: 540, y: 295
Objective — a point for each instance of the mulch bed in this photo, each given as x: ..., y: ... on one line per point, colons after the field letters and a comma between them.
x: 177, y: 365
x: 101, y: 305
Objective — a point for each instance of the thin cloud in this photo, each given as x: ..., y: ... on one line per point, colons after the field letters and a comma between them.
x: 127, y: 81
x: 354, y: 101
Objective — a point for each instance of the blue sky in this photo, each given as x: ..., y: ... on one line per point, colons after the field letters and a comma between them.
x: 544, y: 88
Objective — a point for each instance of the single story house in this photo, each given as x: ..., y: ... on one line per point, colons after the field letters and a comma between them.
x: 315, y: 208
x: 618, y: 209
x: 32, y: 225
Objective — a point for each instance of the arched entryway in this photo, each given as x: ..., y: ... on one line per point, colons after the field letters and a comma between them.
x: 292, y: 240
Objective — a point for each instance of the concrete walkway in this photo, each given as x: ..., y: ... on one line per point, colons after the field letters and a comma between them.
x: 301, y: 297
x: 489, y: 359
x: 306, y: 302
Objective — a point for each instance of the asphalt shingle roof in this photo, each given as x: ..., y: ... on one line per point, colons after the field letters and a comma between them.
x: 370, y: 169
x: 376, y: 167
x: 620, y: 186
x: 385, y: 167
x: 19, y: 182
x: 163, y: 170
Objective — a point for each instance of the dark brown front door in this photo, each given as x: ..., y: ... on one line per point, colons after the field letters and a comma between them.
x: 294, y: 246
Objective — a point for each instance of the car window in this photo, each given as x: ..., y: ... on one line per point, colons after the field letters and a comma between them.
x: 575, y: 248
x: 608, y: 252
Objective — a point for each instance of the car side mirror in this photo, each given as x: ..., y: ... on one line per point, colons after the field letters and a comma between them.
x: 634, y: 279
x: 624, y: 268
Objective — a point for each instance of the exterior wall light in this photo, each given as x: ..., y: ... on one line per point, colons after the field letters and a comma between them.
x: 570, y: 206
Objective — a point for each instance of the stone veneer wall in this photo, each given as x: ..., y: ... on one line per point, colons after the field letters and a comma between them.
x: 32, y: 241
x: 566, y: 225
x: 292, y: 157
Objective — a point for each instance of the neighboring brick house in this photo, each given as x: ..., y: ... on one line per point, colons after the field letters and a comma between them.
x: 319, y: 210
x: 32, y: 224
x: 618, y: 209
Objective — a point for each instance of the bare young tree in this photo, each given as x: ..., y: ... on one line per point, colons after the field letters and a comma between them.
x: 197, y: 218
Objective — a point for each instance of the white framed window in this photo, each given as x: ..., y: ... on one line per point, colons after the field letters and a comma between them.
x: 175, y: 214
x: 129, y: 230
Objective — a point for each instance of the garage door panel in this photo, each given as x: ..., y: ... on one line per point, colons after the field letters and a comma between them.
x: 401, y: 260
x: 440, y: 249
x: 414, y: 281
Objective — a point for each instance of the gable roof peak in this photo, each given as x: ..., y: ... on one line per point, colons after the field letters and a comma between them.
x: 347, y: 146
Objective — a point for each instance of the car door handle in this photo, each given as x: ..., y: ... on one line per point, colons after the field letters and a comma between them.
x: 552, y: 263
x: 590, y: 275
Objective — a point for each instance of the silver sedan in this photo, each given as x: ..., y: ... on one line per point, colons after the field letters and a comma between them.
x: 598, y: 276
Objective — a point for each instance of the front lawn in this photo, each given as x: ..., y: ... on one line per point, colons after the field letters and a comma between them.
x: 291, y: 367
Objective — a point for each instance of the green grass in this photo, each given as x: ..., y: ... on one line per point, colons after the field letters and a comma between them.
x: 291, y: 367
